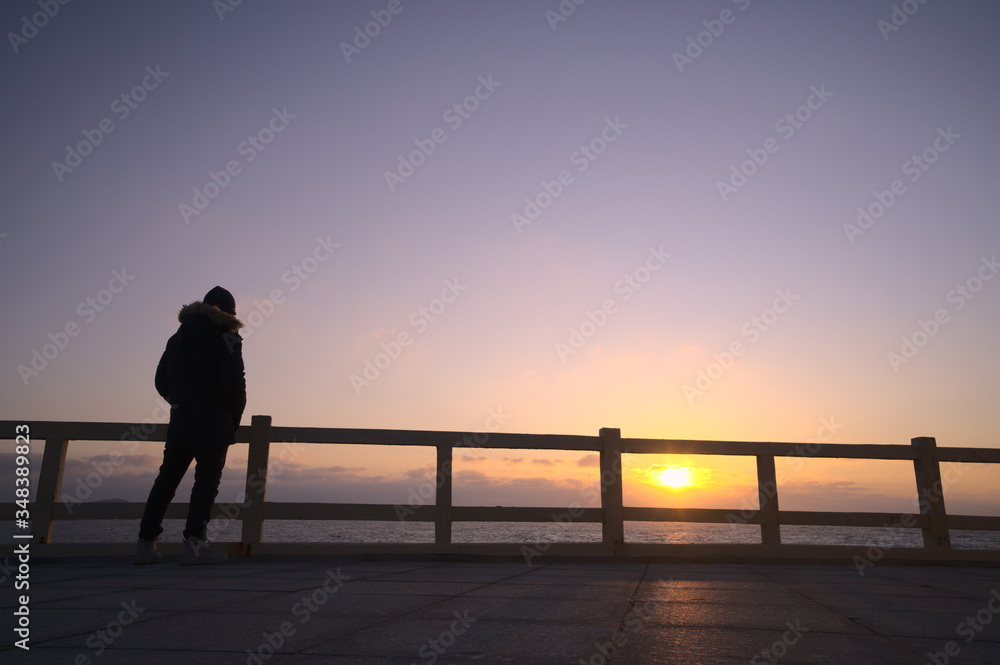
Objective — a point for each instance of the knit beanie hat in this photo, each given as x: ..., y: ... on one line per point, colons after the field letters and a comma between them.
x: 222, y: 299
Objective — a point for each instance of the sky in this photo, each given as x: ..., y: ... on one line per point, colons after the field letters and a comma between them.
x: 730, y: 220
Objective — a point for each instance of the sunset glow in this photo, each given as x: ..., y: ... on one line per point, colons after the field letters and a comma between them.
x: 676, y: 477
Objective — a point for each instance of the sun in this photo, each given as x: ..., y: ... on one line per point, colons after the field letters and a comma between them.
x: 675, y: 477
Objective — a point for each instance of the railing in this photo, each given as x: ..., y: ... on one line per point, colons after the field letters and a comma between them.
x: 933, y: 520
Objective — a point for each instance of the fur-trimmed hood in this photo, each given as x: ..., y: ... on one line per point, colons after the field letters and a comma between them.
x: 227, y: 322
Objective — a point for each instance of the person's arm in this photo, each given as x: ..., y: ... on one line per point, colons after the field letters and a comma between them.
x: 232, y: 376
x: 162, y: 385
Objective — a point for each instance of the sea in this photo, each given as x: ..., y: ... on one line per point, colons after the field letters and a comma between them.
x: 337, y: 531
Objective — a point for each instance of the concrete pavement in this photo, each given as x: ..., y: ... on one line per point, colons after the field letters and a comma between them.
x: 300, y: 610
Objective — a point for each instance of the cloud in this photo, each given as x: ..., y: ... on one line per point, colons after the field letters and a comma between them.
x: 117, y: 460
x: 589, y: 460
x: 470, y: 458
x: 513, y: 460
x: 339, y: 473
x: 371, y: 339
x: 818, y: 487
x: 846, y: 485
x: 472, y: 478
x: 531, y: 483
x: 422, y: 472
x: 546, y: 462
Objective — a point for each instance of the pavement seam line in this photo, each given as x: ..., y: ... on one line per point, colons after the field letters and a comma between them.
x: 871, y: 632
x: 628, y: 609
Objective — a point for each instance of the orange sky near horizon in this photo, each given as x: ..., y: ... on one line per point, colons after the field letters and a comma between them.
x: 404, y: 475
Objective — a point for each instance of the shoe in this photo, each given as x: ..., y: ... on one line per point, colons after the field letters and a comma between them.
x: 145, y: 553
x: 197, y: 553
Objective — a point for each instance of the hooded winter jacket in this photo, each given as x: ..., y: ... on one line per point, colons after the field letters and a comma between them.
x: 201, y: 375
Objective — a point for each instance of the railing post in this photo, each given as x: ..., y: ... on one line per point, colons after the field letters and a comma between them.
x: 256, y: 483
x: 611, y: 488
x: 767, y: 498
x: 930, y: 492
x: 442, y: 497
x: 49, y: 485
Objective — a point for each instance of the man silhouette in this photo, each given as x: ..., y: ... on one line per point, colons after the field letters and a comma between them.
x: 201, y: 376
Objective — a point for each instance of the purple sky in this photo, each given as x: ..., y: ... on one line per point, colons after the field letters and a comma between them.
x: 651, y: 256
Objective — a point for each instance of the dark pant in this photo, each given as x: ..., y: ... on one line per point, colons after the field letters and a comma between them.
x: 207, y: 474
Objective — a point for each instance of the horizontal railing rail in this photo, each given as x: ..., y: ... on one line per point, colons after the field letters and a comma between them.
x: 932, y: 520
